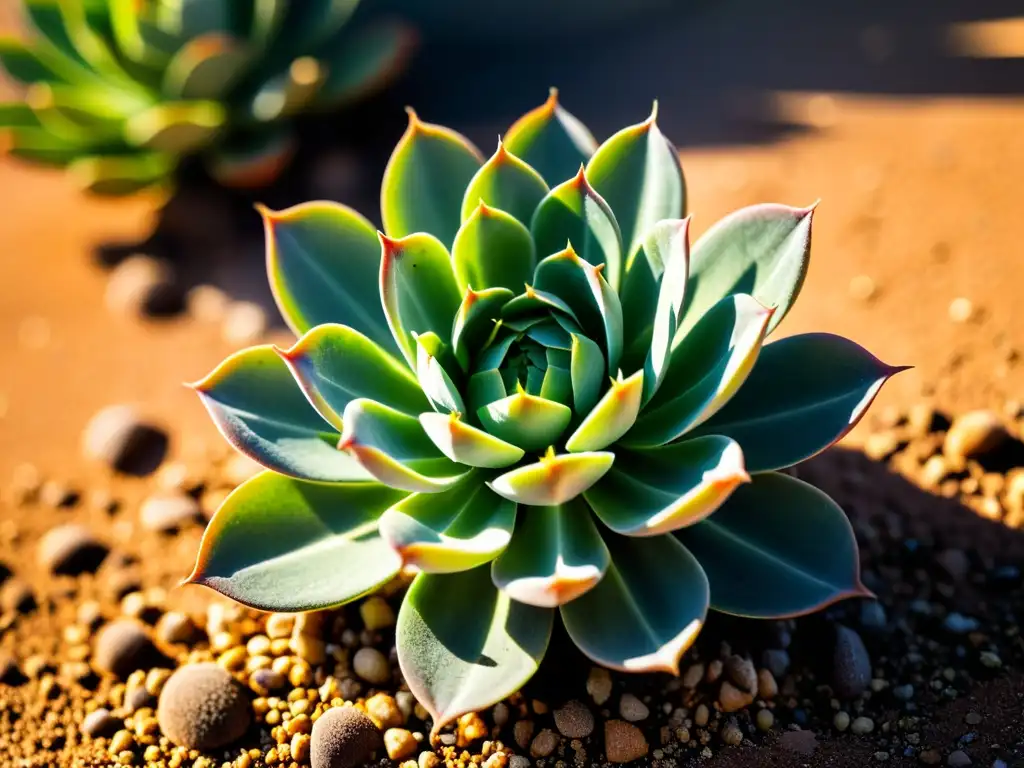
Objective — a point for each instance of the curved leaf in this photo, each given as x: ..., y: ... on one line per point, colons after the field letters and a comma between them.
x: 484, y: 388
x: 556, y: 555
x: 206, y: 67
x: 121, y: 175
x: 257, y: 406
x: 554, y: 479
x: 418, y: 289
x: 256, y: 162
x: 475, y: 321
x: 637, y: 172
x: 323, y: 261
x: 777, y: 548
x: 646, y: 611
x: 704, y: 371
x: 525, y: 420
x: 611, y: 418
x: 365, y: 62
x: 657, y: 490
x: 573, y: 212
x: 394, y: 449
x: 505, y: 182
x: 180, y: 127
x: 455, y: 530
x: 587, y: 369
x: 805, y: 393
x: 278, y: 544
x: 466, y: 654
x: 761, y: 250
x: 440, y: 390
x: 465, y: 444
x: 335, y: 364
x: 425, y: 181
x: 667, y: 253
x: 551, y: 140
x: 492, y: 250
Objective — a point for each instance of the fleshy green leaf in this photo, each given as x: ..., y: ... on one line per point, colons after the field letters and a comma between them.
x: 524, y: 420
x: 505, y: 182
x: 556, y: 555
x: 121, y: 175
x: 255, y: 162
x: 655, y: 595
x: 335, y: 364
x: 425, y: 181
x: 462, y: 655
x: 761, y: 250
x: 551, y: 140
x: 17, y: 114
x: 656, y: 490
x: 554, y: 479
x: 637, y: 172
x: 704, y: 371
x: 588, y: 373
x: 418, y: 289
x: 461, y: 528
x: 279, y: 544
x: 394, y: 449
x: 26, y: 65
x: 177, y: 127
x: 206, y: 67
x: 475, y: 320
x: 365, y: 63
x: 440, y: 390
x: 667, y: 253
x: 805, y: 393
x: 465, y: 444
x: 484, y: 388
x: 323, y: 260
x: 777, y: 548
x: 611, y: 418
x: 260, y: 410
x: 492, y: 250
x: 573, y: 212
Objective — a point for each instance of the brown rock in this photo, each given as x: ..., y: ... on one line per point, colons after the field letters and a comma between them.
x: 974, y: 434
x: 623, y: 742
x: 343, y: 737
x: 202, y: 707
x: 732, y: 698
x: 121, y: 647
x: 574, y: 720
x: 71, y: 549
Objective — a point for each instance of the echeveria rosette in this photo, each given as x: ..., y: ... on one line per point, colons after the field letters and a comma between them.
x: 118, y: 91
x: 533, y: 393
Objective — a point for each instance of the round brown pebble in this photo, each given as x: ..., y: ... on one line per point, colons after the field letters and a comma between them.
x: 574, y: 720
x: 121, y: 647
x: 100, y: 722
x: 732, y: 698
x: 71, y: 549
x: 343, y: 737
x: 202, y: 707
x: 169, y: 511
x: 118, y: 437
x: 731, y: 735
x: 623, y: 742
x: 174, y: 627
x: 974, y: 434
x: 371, y: 665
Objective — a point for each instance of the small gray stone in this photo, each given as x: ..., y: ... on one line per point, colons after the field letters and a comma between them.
x: 851, y: 665
x: 371, y: 665
x: 343, y: 737
x: 574, y: 720
x: 742, y: 673
x: 862, y: 725
x: 958, y: 759
x: 71, y: 549
x: 168, y: 512
x: 121, y: 439
x: 631, y: 709
x: 903, y: 692
x: 100, y: 722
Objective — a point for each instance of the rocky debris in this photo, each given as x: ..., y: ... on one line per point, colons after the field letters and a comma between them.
x: 99, y: 723
x: 207, y: 303
x: 851, y: 665
x: 343, y: 737
x: 71, y: 549
x: 120, y: 438
x: 121, y: 647
x: 623, y: 742
x: 371, y: 665
x: 631, y: 709
x: 574, y: 720
x: 143, y: 285
x: 168, y: 512
x: 202, y: 707
x: 974, y: 434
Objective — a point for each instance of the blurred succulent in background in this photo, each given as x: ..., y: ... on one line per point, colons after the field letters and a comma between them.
x: 119, y: 91
x: 533, y: 393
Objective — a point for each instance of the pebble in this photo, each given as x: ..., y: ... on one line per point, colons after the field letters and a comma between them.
x: 632, y: 709
x: 371, y: 665
x: 958, y: 759
x: 168, y: 512
x: 384, y: 711
x: 701, y: 715
x: 851, y: 665
x: 121, y: 647
x: 100, y: 722
x: 121, y: 439
x: 741, y: 673
x: 175, y: 627
x: 143, y: 285
x: 765, y: 720
x: 623, y: 742
x: 206, y: 303
x: 574, y: 720
x: 990, y: 659
x: 516, y: 761
x: 961, y: 310
x: 731, y: 735
x: 959, y: 624
x: 343, y: 737
x: 202, y: 707
x: 732, y: 698
x: 694, y: 674
x: 56, y: 495
x: 71, y: 549
x: 841, y: 721
x: 471, y: 727
x: 544, y: 743
x: 244, y: 323
x: 776, y: 660
x: 862, y: 725
x: 974, y: 434
x: 862, y: 288
x: 17, y: 596
x: 376, y: 614
x: 930, y: 757
x: 767, y: 687
x: 903, y: 692
x: 399, y: 743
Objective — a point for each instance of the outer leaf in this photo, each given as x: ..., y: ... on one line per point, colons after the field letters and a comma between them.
x: 206, y: 67
x: 278, y: 544
x: 484, y: 388
x: 475, y: 321
x: 574, y: 212
x: 777, y: 548
x: 553, y: 480
x: 26, y: 65
x: 611, y: 418
x: 323, y: 260
x: 637, y: 172
x: 524, y: 420
x: 425, y: 181
x: 418, y: 289
x: 440, y: 390
x: 805, y: 393
x: 588, y: 371
x: 455, y: 530
x: 761, y: 250
x: 257, y: 406
x: 657, y: 490
x: 555, y: 556
x: 178, y: 127
x: 465, y: 444
x: 17, y: 114
x: 362, y: 65
x: 394, y: 449
x: 667, y: 254
x: 505, y: 182
x: 463, y: 655
x: 492, y: 250
x: 254, y: 162
x: 335, y: 364
x: 655, y: 595
x: 551, y: 140
x: 704, y: 371
x: 121, y: 175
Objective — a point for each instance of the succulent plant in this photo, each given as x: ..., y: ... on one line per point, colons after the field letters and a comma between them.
x: 118, y: 91
x: 531, y: 392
